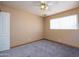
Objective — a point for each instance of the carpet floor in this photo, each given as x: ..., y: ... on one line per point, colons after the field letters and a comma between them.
x: 42, y: 48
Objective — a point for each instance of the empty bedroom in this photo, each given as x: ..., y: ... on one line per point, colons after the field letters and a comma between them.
x: 39, y: 28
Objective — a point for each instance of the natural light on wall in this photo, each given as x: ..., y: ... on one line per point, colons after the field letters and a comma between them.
x: 68, y: 22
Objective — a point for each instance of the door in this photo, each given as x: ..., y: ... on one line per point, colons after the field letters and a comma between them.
x: 4, y: 31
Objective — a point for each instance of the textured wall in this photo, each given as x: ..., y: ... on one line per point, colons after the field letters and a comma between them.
x: 70, y: 37
x: 25, y: 27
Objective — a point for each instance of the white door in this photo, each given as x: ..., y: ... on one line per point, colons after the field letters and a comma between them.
x: 4, y: 31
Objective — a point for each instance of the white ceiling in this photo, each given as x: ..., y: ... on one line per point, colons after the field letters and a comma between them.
x: 34, y: 6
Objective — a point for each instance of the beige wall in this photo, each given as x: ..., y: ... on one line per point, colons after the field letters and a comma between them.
x: 70, y: 37
x: 25, y: 27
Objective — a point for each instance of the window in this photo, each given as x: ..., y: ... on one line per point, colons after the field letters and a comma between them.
x: 68, y: 22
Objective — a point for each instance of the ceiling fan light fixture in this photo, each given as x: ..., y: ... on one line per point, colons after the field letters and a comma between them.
x: 43, y: 7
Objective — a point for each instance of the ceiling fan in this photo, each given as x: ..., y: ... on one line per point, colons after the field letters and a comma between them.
x: 44, y: 5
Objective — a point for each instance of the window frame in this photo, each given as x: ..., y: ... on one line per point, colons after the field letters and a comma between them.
x: 76, y: 27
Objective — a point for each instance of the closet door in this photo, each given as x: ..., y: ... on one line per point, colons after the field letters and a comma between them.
x: 4, y: 31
